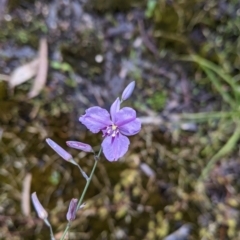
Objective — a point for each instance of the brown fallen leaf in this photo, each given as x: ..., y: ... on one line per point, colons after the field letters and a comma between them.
x: 41, y: 77
x: 25, y: 199
x: 23, y: 73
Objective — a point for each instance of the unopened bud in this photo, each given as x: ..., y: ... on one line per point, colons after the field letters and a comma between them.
x: 59, y: 150
x: 72, y: 210
x: 80, y: 146
x: 38, y: 207
x: 128, y: 91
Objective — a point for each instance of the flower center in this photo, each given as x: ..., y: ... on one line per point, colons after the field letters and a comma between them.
x: 112, y: 130
x: 114, y: 127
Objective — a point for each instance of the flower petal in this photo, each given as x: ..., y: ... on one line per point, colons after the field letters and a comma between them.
x: 115, y: 108
x: 114, y: 149
x: 131, y: 128
x: 124, y: 116
x: 96, y: 119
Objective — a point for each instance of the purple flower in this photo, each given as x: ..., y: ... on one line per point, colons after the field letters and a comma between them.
x: 114, y: 126
x: 38, y: 207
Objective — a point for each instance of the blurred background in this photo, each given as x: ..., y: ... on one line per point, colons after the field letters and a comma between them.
x: 181, y: 173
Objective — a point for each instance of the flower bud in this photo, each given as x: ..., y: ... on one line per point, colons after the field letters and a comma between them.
x: 128, y: 91
x: 80, y: 146
x: 38, y: 207
x: 72, y: 210
x: 59, y: 150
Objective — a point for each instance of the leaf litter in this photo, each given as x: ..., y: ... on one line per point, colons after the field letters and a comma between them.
x: 38, y: 67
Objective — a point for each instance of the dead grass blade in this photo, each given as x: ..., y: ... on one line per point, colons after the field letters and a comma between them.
x: 25, y: 199
x: 41, y: 77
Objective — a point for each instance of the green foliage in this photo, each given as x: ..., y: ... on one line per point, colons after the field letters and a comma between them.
x: 157, y: 101
x: 151, y: 5
x: 62, y: 66
x: 202, y: 37
x: 21, y: 34
x: 54, y: 179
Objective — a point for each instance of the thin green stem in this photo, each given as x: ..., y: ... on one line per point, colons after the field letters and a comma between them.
x: 50, y: 227
x: 83, y: 173
x: 87, y: 184
x: 66, y: 230
x: 51, y: 232
x: 76, y: 164
x: 96, y: 157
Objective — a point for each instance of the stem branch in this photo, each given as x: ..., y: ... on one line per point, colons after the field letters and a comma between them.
x: 88, y: 179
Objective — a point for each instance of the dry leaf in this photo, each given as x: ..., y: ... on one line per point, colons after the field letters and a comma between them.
x: 41, y: 77
x: 23, y: 73
x: 25, y: 199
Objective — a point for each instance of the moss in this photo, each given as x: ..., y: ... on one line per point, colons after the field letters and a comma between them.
x: 157, y: 101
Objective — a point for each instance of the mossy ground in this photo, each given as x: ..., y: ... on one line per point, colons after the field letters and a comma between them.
x: 184, y: 57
